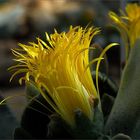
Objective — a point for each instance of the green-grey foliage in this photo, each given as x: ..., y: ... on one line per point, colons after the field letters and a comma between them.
x: 125, y: 114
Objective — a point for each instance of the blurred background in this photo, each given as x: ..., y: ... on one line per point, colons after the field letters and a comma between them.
x: 24, y: 20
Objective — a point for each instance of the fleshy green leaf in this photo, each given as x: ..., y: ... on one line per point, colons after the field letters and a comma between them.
x: 126, y: 110
x: 107, y: 102
x: 83, y: 129
x: 35, y: 118
x: 121, y: 136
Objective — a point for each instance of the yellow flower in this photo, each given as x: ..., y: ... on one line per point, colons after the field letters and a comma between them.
x: 61, y: 67
x: 129, y: 25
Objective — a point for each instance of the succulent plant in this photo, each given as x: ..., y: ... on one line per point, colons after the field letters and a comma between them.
x: 71, y: 102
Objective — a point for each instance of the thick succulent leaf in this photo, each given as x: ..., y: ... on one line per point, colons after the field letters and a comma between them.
x: 86, y: 128
x: 35, y: 119
x: 121, y: 136
x: 57, y: 128
x: 83, y: 129
x: 8, y: 121
x: 126, y: 110
x: 107, y: 102
x: 136, y: 131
